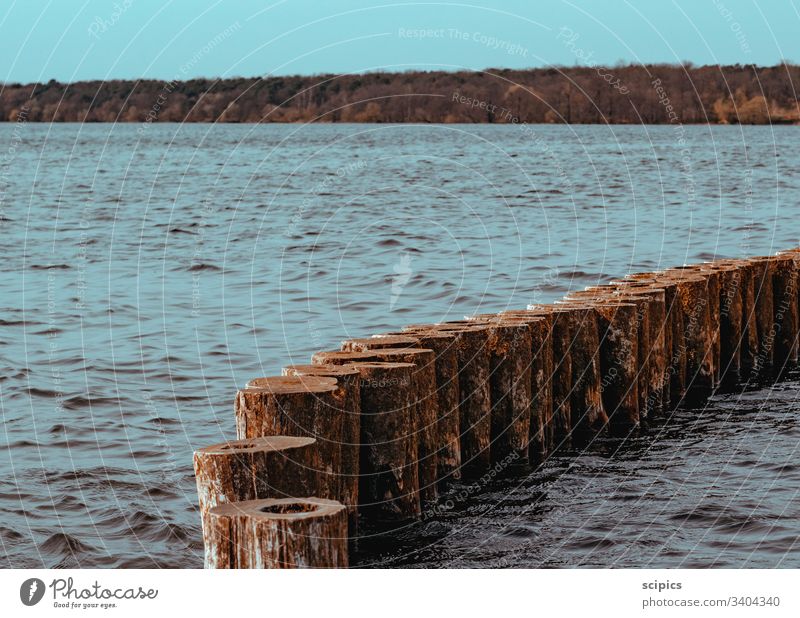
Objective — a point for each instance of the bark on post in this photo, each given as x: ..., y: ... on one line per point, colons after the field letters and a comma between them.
x: 510, y: 383
x: 348, y: 379
x: 560, y: 332
x: 673, y: 335
x: 425, y: 408
x: 542, y: 430
x: 692, y: 294
x: 643, y: 347
x: 657, y: 358
x: 443, y: 344
x: 751, y: 346
x: 731, y: 309
x: 587, y: 415
x: 761, y: 267
x: 619, y: 362
x: 285, y: 533
x: 474, y: 406
x: 239, y: 470
x: 389, y: 478
x: 298, y: 406
x: 785, y: 291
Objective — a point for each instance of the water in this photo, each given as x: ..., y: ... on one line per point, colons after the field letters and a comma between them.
x: 147, y: 272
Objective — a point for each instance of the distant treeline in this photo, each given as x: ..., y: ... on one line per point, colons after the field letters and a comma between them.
x: 621, y: 94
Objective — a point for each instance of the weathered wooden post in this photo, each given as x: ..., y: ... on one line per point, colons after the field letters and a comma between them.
x: 692, y: 295
x: 761, y: 269
x: 624, y: 293
x: 389, y: 489
x: 510, y: 383
x: 349, y: 380
x: 541, y: 431
x: 618, y: 327
x: 284, y: 533
x: 587, y: 415
x: 298, y: 406
x: 425, y: 405
x: 785, y: 304
x: 271, y: 467
x: 475, y: 420
x: 750, y: 347
x: 675, y: 380
x: 730, y: 321
x: 443, y: 344
x: 561, y: 380
x: 401, y: 349
x: 656, y: 355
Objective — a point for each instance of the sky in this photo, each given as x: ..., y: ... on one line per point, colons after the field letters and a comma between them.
x: 72, y: 40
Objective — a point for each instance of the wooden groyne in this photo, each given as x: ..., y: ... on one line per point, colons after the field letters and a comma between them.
x: 374, y: 431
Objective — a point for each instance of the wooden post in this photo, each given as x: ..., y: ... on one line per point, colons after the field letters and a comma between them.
x: 692, y: 295
x: 285, y: 533
x: 298, y: 406
x: 730, y: 321
x: 474, y: 406
x: 764, y: 314
x: 644, y: 332
x: 350, y: 381
x: 425, y: 405
x: 785, y: 304
x: 510, y: 384
x: 560, y: 331
x: 749, y: 353
x: 426, y: 411
x: 618, y: 326
x: 273, y: 467
x: 376, y: 343
x: 587, y: 415
x: 542, y: 430
x: 389, y: 489
x: 675, y: 380
x: 656, y: 355
x: 443, y: 344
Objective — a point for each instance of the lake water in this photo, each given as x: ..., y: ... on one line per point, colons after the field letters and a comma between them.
x: 147, y: 272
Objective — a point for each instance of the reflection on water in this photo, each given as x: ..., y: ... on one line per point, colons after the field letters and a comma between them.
x: 148, y: 277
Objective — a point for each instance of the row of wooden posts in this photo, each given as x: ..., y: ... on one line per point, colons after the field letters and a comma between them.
x: 376, y: 430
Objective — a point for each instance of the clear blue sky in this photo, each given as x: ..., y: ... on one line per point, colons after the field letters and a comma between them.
x: 72, y: 40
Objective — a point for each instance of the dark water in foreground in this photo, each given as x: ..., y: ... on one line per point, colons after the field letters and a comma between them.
x: 146, y: 275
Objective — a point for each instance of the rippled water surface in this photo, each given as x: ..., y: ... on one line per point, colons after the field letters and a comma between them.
x: 146, y: 272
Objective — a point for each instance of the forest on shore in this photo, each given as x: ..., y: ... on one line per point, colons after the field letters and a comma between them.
x: 653, y: 94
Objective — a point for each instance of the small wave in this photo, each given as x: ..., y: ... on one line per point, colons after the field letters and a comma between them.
x: 63, y: 544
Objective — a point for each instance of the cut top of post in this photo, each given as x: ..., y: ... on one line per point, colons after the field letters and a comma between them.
x: 284, y: 385
x: 279, y: 508
x: 387, y: 341
x: 257, y: 445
